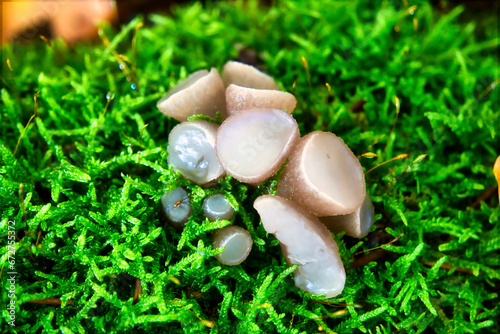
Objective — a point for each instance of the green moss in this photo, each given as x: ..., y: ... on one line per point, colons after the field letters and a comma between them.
x: 91, y: 167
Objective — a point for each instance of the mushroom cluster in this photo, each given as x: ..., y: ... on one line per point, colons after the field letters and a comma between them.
x: 321, y: 189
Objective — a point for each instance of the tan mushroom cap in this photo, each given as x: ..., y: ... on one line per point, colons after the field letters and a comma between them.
x: 247, y: 76
x: 323, y: 176
x: 306, y: 242
x: 356, y: 224
x: 242, y: 98
x: 237, y: 244
x: 200, y: 93
x: 191, y: 151
x: 252, y: 146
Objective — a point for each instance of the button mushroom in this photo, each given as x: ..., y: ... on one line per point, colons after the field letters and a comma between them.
x: 254, y: 144
x: 306, y: 242
x: 356, y: 224
x: 241, y: 98
x: 216, y: 206
x: 176, y: 207
x: 323, y: 176
x: 200, y: 93
x: 247, y: 76
x: 237, y: 244
x: 191, y: 151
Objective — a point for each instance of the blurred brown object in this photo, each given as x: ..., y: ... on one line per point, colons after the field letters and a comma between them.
x: 71, y: 20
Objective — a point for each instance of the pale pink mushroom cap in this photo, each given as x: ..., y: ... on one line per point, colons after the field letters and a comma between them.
x: 356, y: 224
x: 323, y: 176
x: 306, y: 242
x: 252, y: 146
x: 247, y: 76
x: 200, y: 93
x: 242, y: 98
x: 191, y: 151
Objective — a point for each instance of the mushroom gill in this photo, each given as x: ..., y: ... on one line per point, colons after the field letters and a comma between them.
x: 323, y: 176
x: 254, y: 144
x: 242, y: 98
x: 191, y: 151
x: 247, y: 76
x: 200, y: 93
x: 305, y: 241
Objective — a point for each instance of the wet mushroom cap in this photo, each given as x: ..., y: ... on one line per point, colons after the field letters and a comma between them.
x: 356, y: 224
x: 191, y: 151
x: 200, y: 93
x: 242, y: 98
x: 253, y: 145
x: 246, y: 76
x: 237, y: 244
x: 176, y: 207
x: 323, y: 176
x: 306, y: 242
x: 216, y: 206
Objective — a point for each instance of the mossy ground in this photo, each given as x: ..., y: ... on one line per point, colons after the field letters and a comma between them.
x: 83, y: 181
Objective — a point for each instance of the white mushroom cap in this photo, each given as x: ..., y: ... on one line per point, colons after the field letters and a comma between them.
x: 176, y: 207
x: 254, y: 144
x: 191, y: 151
x: 356, y: 224
x: 242, y: 98
x: 216, y: 206
x: 237, y: 244
x: 247, y: 76
x: 200, y: 93
x: 323, y: 176
x: 306, y: 242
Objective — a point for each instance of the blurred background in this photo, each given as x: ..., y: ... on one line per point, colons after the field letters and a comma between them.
x: 75, y: 21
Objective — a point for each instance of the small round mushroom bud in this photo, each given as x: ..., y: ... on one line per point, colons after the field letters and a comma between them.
x: 200, y: 93
x: 176, y: 207
x: 323, y: 176
x: 241, y: 98
x: 216, y: 206
x: 356, y: 224
x: 306, y: 242
x: 247, y: 76
x: 191, y: 151
x: 252, y: 145
x: 237, y: 244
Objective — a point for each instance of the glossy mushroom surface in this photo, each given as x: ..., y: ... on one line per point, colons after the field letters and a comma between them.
x: 216, y: 206
x: 356, y: 224
x: 323, y: 176
x: 200, y: 93
x: 176, y: 207
x: 191, y: 151
x: 252, y: 145
x: 246, y: 76
x: 304, y: 241
x: 237, y: 244
x: 242, y: 98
